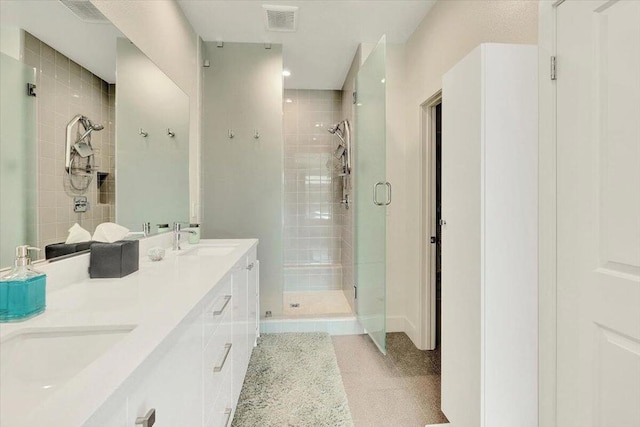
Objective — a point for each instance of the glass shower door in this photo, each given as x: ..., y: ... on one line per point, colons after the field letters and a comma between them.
x: 372, y: 194
x: 18, y: 158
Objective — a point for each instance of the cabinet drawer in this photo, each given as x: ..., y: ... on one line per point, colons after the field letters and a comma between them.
x: 220, y: 304
x: 217, y: 364
x: 171, y: 379
x: 220, y: 412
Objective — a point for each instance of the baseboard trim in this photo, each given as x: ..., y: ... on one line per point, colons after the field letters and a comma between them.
x: 412, y: 332
x: 396, y: 323
x: 347, y: 325
x: 402, y: 324
x: 332, y: 325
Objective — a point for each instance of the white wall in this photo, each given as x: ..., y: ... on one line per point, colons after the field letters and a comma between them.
x: 546, y: 217
x: 11, y: 41
x: 160, y: 29
x: 449, y: 31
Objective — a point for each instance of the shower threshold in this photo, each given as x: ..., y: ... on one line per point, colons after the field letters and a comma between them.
x: 317, y: 311
x: 331, y: 324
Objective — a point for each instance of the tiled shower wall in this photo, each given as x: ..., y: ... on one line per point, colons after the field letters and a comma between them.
x: 313, y: 214
x: 65, y: 89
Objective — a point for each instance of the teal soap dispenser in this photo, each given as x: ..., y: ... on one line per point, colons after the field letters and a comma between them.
x: 23, y: 290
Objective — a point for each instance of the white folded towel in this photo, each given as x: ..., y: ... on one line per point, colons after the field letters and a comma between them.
x: 109, y: 232
x: 78, y: 234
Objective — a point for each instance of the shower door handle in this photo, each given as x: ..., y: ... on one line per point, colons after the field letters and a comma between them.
x: 388, y: 184
x: 375, y: 194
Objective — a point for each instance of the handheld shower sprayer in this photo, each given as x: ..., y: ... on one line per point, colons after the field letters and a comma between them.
x: 89, y: 127
x: 335, y: 130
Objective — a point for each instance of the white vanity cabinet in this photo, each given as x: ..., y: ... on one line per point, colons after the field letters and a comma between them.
x: 239, y: 279
x: 218, y: 354
x: 194, y: 377
x: 253, y: 268
x: 241, y: 325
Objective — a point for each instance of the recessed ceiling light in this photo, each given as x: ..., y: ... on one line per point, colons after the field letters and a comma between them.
x: 286, y: 73
x: 288, y: 100
x: 383, y: 80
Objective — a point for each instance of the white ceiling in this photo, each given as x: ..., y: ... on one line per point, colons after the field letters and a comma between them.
x: 320, y: 52
x: 91, y: 45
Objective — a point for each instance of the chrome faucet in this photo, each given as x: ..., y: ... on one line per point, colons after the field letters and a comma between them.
x: 146, y: 230
x: 177, y: 232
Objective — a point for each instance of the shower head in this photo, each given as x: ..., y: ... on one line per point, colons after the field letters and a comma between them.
x: 88, y: 128
x: 96, y: 127
x: 335, y: 130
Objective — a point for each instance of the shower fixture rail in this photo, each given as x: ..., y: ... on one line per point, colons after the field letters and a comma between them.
x: 79, y: 154
x: 343, y: 153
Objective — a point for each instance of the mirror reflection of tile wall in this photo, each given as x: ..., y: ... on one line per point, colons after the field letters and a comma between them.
x: 313, y: 213
x: 65, y: 89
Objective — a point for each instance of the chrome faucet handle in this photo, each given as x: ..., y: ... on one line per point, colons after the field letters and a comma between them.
x: 177, y: 225
x: 177, y: 232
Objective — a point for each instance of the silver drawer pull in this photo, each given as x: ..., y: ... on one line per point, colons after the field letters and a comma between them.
x: 227, y: 412
x: 148, y: 420
x: 227, y: 298
x: 250, y: 267
x: 227, y: 349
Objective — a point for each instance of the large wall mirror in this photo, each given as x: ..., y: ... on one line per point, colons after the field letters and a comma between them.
x: 102, y: 137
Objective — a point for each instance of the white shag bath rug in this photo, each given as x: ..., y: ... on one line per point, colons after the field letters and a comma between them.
x: 293, y: 380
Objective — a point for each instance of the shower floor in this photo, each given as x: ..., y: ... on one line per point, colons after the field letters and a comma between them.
x: 316, y: 302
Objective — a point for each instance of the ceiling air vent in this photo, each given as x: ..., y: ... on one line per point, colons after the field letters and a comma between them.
x: 84, y: 10
x: 281, y: 18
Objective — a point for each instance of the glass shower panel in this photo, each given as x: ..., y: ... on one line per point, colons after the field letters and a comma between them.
x: 152, y: 170
x: 242, y: 155
x: 372, y: 195
x: 17, y: 158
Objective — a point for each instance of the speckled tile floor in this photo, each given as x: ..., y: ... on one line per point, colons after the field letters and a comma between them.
x: 401, y: 389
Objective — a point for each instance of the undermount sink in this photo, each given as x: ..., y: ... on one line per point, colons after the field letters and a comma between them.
x: 210, y: 250
x: 36, y: 363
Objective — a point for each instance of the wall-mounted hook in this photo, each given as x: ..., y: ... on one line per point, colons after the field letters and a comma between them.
x: 171, y: 134
x: 231, y: 134
x: 256, y: 134
x: 31, y: 89
x: 143, y: 133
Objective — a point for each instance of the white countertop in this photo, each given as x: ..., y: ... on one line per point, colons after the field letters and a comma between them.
x: 154, y: 299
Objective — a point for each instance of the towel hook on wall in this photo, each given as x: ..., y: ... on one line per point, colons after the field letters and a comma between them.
x: 143, y: 133
x: 170, y: 133
x: 231, y: 134
x: 256, y: 134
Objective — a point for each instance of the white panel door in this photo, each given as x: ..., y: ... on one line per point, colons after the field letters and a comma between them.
x: 598, y: 213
